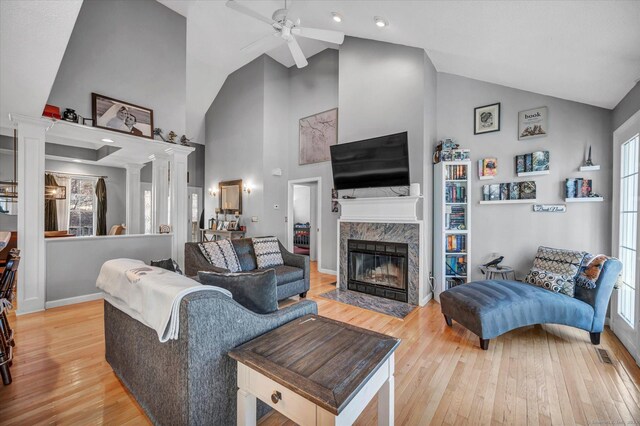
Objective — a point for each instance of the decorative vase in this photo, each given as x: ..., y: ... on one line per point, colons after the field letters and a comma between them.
x: 70, y: 115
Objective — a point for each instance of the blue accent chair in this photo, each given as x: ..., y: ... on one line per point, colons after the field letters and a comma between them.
x: 491, y: 308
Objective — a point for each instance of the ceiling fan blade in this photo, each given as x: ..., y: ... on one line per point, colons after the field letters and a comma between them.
x: 272, y: 38
x: 296, y: 52
x: 330, y: 36
x: 249, y: 12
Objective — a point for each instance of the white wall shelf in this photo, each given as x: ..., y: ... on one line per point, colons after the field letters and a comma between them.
x: 538, y: 173
x: 528, y: 201
x: 590, y: 168
x: 486, y: 177
x: 584, y: 200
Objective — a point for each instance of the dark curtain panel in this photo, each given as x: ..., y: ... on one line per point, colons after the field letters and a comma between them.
x: 50, y: 208
x: 101, y: 196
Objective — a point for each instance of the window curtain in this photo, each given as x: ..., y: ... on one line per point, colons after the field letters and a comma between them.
x: 101, y: 198
x: 50, y: 208
x: 63, y: 205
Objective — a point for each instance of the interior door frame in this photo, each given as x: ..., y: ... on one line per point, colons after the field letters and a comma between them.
x: 620, y: 327
x: 318, y: 225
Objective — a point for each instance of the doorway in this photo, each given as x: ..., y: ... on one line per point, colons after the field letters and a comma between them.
x: 304, y: 217
x: 625, y: 308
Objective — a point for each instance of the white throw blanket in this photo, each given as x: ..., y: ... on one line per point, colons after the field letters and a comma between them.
x: 149, y: 294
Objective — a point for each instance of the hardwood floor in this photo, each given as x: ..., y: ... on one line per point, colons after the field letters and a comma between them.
x: 535, y: 375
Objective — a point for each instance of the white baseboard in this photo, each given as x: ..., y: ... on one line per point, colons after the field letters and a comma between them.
x: 73, y: 300
x: 327, y: 271
x: 426, y: 299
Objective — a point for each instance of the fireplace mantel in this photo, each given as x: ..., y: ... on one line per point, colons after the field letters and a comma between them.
x: 375, y: 209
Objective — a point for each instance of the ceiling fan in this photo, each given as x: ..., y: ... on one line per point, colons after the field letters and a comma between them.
x: 287, y: 30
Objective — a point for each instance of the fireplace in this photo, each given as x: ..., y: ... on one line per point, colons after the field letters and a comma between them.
x: 378, y: 268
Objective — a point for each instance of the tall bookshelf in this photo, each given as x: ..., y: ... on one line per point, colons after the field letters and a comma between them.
x: 451, y: 224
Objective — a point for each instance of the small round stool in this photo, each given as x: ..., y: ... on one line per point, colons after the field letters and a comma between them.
x: 498, y: 272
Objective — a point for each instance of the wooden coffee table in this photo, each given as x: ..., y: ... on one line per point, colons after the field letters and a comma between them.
x: 316, y: 371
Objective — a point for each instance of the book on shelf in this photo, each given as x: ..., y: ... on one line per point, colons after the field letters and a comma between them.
x: 540, y: 161
x: 527, y: 190
x: 456, y: 172
x: 452, y: 282
x: 494, y: 191
x: 514, y: 191
x: 504, y: 191
x: 455, y: 217
x: 456, y: 265
x: 488, y: 166
x: 578, y: 188
x: 528, y: 162
x: 456, y: 243
x: 520, y: 164
x: 456, y: 192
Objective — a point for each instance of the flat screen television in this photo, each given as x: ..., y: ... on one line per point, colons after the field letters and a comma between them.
x: 371, y: 163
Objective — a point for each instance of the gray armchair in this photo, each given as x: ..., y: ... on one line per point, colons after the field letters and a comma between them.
x: 292, y: 278
x: 191, y: 380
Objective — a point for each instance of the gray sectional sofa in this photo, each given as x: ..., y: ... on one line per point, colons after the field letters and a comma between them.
x: 191, y: 380
x: 292, y: 277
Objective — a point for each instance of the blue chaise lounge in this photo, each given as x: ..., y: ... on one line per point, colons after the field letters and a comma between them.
x: 491, y: 308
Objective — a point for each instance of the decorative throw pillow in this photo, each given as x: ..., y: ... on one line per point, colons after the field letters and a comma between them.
x: 590, y: 270
x: 221, y: 254
x: 267, y: 250
x: 168, y: 264
x: 256, y: 291
x: 558, y: 283
x: 558, y: 261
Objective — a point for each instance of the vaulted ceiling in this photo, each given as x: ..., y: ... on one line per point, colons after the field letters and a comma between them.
x: 586, y: 51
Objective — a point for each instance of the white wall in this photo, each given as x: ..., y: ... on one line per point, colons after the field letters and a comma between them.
x: 515, y: 231
x: 134, y: 51
x: 301, y: 204
x: 628, y: 106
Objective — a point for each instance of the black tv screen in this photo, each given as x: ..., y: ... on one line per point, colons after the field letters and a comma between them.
x: 371, y: 163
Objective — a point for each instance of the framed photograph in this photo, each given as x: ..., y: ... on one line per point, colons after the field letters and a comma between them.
x: 486, y: 119
x: 123, y: 117
x: 533, y: 123
x: 233, y: 225
x: 317, y: 133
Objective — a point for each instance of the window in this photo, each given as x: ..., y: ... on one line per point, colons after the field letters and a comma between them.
x: 147, y: 212
x: 82, y: 208
x: 628, y: 227
x: 194, y: 207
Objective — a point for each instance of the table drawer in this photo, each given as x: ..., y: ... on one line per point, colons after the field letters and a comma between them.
x: 292, y: 405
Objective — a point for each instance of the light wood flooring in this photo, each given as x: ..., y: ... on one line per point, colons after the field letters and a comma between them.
x: 535, y: 375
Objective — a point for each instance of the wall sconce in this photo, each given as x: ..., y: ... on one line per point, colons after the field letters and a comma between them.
x: 247, y: 188
x: 213, y: 192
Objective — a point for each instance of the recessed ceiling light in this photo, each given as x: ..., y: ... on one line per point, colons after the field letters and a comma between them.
x: 75, y: 160
x: 336, y: 16
x: 380, y: 21
x: 107, y: 140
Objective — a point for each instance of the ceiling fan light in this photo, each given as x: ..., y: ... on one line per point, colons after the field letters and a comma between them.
x: 380, y: 21
x: 336, y: 16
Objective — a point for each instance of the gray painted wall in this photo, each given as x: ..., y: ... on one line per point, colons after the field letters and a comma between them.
x: 115, y: 182
x: 628, y: 106
x: 515, y: 230
x: 314, y: 89
x: 235, y: 133
x: 134, y: 51
x: 381, y: 91
x: 65, y: 279
x: 195, y: 167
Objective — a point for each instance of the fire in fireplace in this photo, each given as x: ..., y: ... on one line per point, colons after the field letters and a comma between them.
x: 378, y: 268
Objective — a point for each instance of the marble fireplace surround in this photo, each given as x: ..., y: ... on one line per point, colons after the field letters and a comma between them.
x: 409, y: 232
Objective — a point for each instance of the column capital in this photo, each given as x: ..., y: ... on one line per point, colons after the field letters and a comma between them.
x: 18, y: 119
x: 133, y: 167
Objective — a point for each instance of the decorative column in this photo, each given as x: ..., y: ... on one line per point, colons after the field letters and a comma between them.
x: 159, y: 192
x: 31, y: 273
x: 133, y: 198
x: 179, y: 203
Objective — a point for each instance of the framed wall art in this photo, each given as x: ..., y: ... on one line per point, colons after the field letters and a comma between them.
x: 317, y: 133
x: 533, y: 123
x: 486, y: 119
x: 123, y: 117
